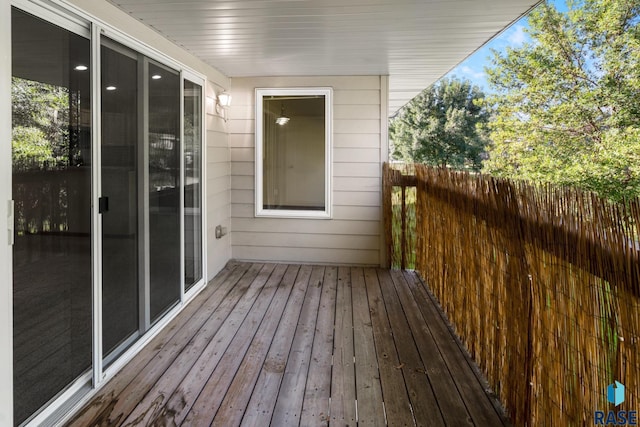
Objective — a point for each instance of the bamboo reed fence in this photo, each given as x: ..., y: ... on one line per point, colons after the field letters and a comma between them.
x: 542, y: 285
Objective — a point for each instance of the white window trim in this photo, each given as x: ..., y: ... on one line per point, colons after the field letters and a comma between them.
x: 327, y: 92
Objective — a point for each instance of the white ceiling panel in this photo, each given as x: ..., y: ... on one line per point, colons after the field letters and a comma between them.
x: 415, y: 42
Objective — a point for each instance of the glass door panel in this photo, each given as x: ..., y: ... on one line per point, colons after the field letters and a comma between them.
x: 164, y: 188
x: 51, y: 155
x: 192, y: 184
x: 142, y: 218
x: 120, y: 235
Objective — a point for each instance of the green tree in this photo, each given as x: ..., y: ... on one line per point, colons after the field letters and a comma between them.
x: 40, y: 135
x: 31, y: 149
x: 567, y: 109
x: 443, y: 126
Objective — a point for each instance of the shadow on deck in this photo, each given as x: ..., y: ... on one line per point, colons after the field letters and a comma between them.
x: 300, y: 345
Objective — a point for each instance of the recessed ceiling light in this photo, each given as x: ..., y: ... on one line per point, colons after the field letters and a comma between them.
x: 156, y: 77
x: 81, y: 68
x: 110, y: 88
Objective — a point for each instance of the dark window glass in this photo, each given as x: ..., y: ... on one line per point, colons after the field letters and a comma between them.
x: 192, y: 183
x: 120, y: 176
x: 294, y: 153
x: 51, y: 154
x: 164, y: 188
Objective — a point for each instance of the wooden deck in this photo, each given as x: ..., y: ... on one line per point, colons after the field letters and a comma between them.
x: 281, y: 345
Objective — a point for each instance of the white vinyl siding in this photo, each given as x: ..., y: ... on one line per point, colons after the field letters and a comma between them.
x: 305, y: 255
x: 218, y: 188
x: 353, y: 235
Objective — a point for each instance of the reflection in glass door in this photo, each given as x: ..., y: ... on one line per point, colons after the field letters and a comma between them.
x: 137, y: 176
x: 140, y: 201
x: 164, y: 188
x: 140, y: 169
x: 51, y: 154
x: 192, y: 184
x: 119, y: 202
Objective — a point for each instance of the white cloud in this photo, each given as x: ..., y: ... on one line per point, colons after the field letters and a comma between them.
x: 474, y: 74
x: 517, y: 36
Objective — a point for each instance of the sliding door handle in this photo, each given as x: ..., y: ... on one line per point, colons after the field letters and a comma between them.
x: 11, y: 222
x: 103, y: 205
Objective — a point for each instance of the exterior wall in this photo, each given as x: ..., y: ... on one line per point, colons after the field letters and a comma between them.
x: 353, y: 236
x: 217, y: 169
x: 218, y: 190
x: 218, y: 187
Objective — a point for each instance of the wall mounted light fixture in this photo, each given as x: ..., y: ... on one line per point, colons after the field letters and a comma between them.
x: 218, y: 104
x: 224, y: 99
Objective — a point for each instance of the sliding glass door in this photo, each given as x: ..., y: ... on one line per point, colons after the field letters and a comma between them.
x: 107, y: 188
x: 164, y: 187
x: 119, y: 204
x: 192, y: 184
x: 51, y: 156
x: 140, y: 203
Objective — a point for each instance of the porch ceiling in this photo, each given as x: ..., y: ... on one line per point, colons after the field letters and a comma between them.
x: 415, y: 42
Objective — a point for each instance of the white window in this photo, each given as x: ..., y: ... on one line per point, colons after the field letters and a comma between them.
x: 293, y: 152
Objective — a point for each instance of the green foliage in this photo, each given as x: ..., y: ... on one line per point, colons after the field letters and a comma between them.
x: 40, y: 134
x: 31, y: 149
x: 566, y: 109
x: 443, y: 126
x: 410, y: 227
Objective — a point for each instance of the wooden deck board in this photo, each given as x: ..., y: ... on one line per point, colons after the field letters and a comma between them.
x: 343, y: 390
x: 299, y: 345
x: 208, y: 402
x: 107, y: 407
x: 482, y: 411
x: 368, y: 390
x: 291, y: 396
x: 191, y: 370
x: 315, y: 407
x: 451, y: 405
x: 424, y: 404
x: 265, y: 393
x: 237, y: 398
x: 394, y: 391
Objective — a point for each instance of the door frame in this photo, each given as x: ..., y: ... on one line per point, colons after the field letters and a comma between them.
x: 149, y: 330
x: 85, y: 387
x: 195, y: 78
x: 6, y: 229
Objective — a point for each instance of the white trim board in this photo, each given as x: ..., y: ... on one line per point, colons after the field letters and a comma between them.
x: 260, y: 94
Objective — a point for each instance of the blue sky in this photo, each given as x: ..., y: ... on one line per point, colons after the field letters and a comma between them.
x: 473, y: 67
